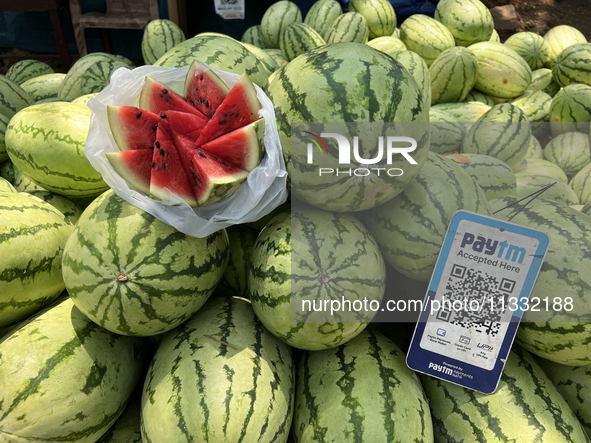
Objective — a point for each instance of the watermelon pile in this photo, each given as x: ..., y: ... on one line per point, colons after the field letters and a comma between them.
x: 199, y: 147
x: 118, y: 327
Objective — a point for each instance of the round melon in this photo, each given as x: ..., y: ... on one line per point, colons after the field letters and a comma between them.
x: 559, y: 192
x: 358, y: 84
x: 535, y: 150
x: 494, y: 176
x: 24, y: 70
x: 426, y: 36
x: 446, y: 132
x: 541, y: 167
x: 253, y: 36
x: 67, y: 207
x: 379, y: 15
x: 388, y: 44
x: 411, y: 227
x: 570, y: 110
x: 304, y: 259
x: 561, y: 37
x: 135, y: 275
x: 234, y: 281
x: 571, y: 151
x: 453, y: 75
x: 6, y: 186
x: 465, y: 112
x: 535, y: 105
x: 532, y: 47
x: 322, y: 14
x: 350, y: 27
x: 581, y: 184
x: 297, y: 39
x: 477, y: 96
x: 573, y: 65
x: 416, y: 67
x: 469, y: 21
x: 276, y: 18
x: 159, y: 37
x: 43, y: 86
x: 55, y: 161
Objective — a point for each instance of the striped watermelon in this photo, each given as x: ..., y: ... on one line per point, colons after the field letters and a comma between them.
x: 43, y: 86
x: 83, y: 99
x: 64, y: 378
x: 541, y: 79
x: 410, y: 228
x: 13, y: 98
x: 418, y: 69
x: 467, y: 112
x: 571, y: 109
x: 502, y: 72
x: 535, y: 105
x: 70, y: 210
x: 532, y: 47
x: 220, y: 377
x: 358, y: 84
x: 219, y: 52
x: 574, y: 384
x: 264, y: 221
x: 561, y: 37
x: 503, y: 133
x: 265, y: 58
x: 361, y: 391
x: 477, y: 96
x: 33, y: 236
x: 495, y: 177
x: 297, y: 39
x: 253, y: 36
x: 3, y: 124
x: 446, y: 132
x: 469, y: 21
x: 23, y: 183
x: 581, y: 184
x: 494, y: 37
x: 379, y: 15
x: 586, y: 209
x: 70, y: 87
x: 234, y: 281
x: 425, y: 36
x: 525, y: 408
x: 535, y: 149
x: 66, y: 171
x: 309, y: 253
x: 276, y: 18
x: 98, y: 75
x: 348, y: 27
x: 127, y: 429
x: 541, y: 167
x: 453, y: 75
x: 571, y: 151
x: 573, y: 65
x: 159, y: 37
x: 277, y: 56
x: 24, y: 70
x: 322, y: 14
x: 135, y: 275
x: 6, y: 186
x: 560, y: 192
x: 388, y: 44
x: 557, y: 334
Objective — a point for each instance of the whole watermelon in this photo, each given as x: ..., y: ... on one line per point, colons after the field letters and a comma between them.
x: 358, y: 84
x: 379, y: 14
x: 135, y: 275
x: 469, y: 21
x: 160, y: 36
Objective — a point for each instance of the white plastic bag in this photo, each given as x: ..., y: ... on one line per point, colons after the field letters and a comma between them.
x: 264, y: 189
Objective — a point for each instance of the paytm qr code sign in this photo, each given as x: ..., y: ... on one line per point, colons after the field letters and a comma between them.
x: 482, y: 280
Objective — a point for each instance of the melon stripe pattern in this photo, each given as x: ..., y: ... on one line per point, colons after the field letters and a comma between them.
x: 453, y: 74
x: 72, y: 367
x: 512, y: 413
x: 557, y: 334
x: 234, y: 282
x: 127, y: 429
x: 560, y: 192
x: 13, y: 98
x: 468, y: 112
x: 220, y: 377
x: 219, y: 52
x: 160, y: 36
x: 419, y: 70
x: 541, y: 79
x: 571, y: 151
x: 535, y: 105
x: 542, y: 168
x: 379, y: 15
x: 43, y: 86
x: 573, y: 65
x: 532, y: 47
x: 361, y: 391
x: 561, y: 37
x: 32, y: 239
x: 581, y: 184
x: 322, y: 14
x: 477, y: 96
x: 349, y: 27
x: 253, y: 36
x: 571, y: 109
x: 276, y: 18
x: 119, y: 252
x: 70, y: 87
x: 495, y: 177
x: 97, y: 76
x: 24, y: 70
x: 446, y: 132
x: 389, y: 45
x: 426, y: 37
x: 535, y: 149
x: 6, y: 186
x: 3, y: 125
x: 67, y: 207
x: 324, y: 268
x: 469, y: 21
x: 298, y: 38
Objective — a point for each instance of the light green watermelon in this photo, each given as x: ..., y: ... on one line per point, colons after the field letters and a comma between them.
x: 494, y: 176
x: 64, y: 378
x: 411, y: 227
x: 453, y: 75
x: 477, y: 96
x: 219, y: 377
x: 6, y: 186
x: 234, y: 281
x: 535, y: 105
x: 361, y: 391
x: 24, y: 70
x: 419, y: 70
x: 297, y: 39
x: 322, y: 14
x: 67, y: 207
x: 541, y: 80
x: 276, y: 18
x: 541, y: 167
x: 534, y: 150
x: 13, y: 98
x: 253, y: 36
x: 388, y: 44
x: 561, y: 37
x: 135, y: 275
x: 571, y: 151
x: 532, y: 47
x: 571, y: 109
x: 98, y: 76
x: 379, y: 14
x: 159, y: 37
x: 43, y: 86
x: 581, y: 184
x: 305, y: 257
x: 265, y: 58
x: 559, y: 192
x: 446, y: 132
x: 127, y: 429
x: 469, y: 21
x: 426, y: 36
x: 573, y: 65
x: 465, y: 112
x: 525, y: 408
x: 348, y: 27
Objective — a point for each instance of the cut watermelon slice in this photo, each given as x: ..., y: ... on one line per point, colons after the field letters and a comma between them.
x: 189, y: 125
x: 155, y: 97
x: 240, y: 107
x: 204, y: 88
x: 214, y: 178
x: 134, y: 167
x: 132, y: 128
x: 168, y: 171
x: 243, y: 147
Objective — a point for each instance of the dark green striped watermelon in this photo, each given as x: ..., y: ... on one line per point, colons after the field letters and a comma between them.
x: 159, y: 37
x: 24, y: 70
x: 219, y: 377
x: 322, y: 14
x: 234, y: 282
x: 119, y: 252
x: 379, y: 15
x: 494, y: 176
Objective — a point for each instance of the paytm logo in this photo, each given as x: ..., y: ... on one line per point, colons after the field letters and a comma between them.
x: 441, y: 368
x: 490, y: 247
x: 345, y: 148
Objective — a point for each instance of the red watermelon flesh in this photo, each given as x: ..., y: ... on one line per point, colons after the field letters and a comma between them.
x: 189, y: 125
x: 204, y: 88
x: 134, y: 167
x: 168, y: 171
x: 240, y: 107
x: 132, y: 128
x: 243, y: 147
x: 155, y: 97
x: 214, y: 178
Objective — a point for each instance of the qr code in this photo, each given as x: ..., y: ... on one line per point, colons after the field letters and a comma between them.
x: 482, y: 297
x: 228, y: 2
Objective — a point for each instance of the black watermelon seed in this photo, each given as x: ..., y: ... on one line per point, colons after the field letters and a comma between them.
x: 211, y: 115
x: 196, y: 89
x: 153, y: 165
x: 161, y: 152
x: 151, y: 147
x: 222, y: 122
x: 139, y: 114
x: 162, y: 115
x: 163, y: 165
x: 157, y: 144
x: 225, y: 114
x: 155, y: 127
x: 165, y: 91
x: 201, y: 154
x: 201, y: 77
x: 207, y: 103
x: 201, y: 100
x: 161, y: 96
x: 215, y: 157
x: 199, y: 178
x: 224, y: 163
